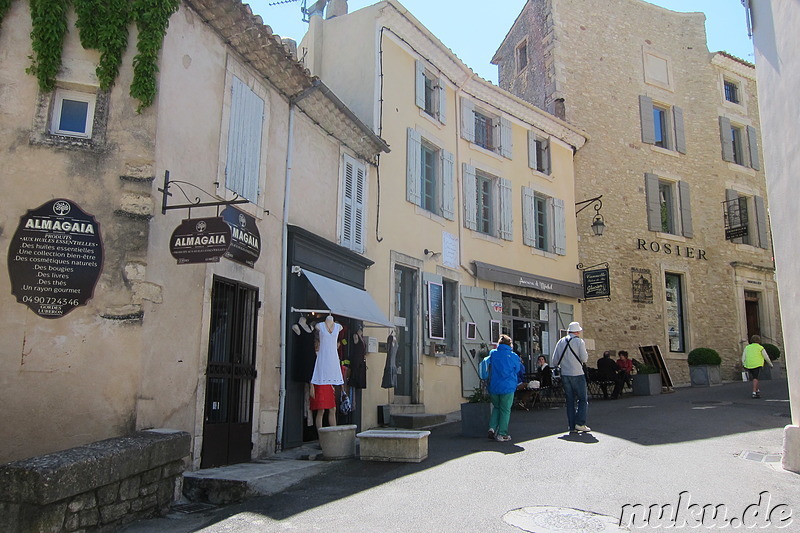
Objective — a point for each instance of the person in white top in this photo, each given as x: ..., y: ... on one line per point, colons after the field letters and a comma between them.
x: 569, y: 357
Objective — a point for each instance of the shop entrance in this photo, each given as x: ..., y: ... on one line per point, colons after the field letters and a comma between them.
x: 751, y: 313
x: 230, y: 375
x: 522, y: 321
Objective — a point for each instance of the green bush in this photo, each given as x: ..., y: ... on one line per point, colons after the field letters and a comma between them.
x: 478, y: 396
x: 704, y: 356
x: 772, y: 351
x: 647, y: 369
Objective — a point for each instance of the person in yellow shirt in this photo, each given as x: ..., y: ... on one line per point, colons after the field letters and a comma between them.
x: 753, y: 358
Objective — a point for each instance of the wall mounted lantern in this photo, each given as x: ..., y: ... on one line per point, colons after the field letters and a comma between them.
x: 598, y: 224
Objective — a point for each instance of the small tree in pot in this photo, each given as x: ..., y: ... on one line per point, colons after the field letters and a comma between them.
x: 704, y: 367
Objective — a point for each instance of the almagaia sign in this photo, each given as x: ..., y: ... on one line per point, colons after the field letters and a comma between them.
x: 55, y: 258
x: 245, y: 238
x: 200, y: 240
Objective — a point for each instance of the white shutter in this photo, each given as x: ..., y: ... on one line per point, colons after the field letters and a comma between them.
x: 726, y: 138
x: 359, y: 204
x: 353, y: 205
x: 420, y: 85
x: 653, y: 202
x: 442, y: 101
x: 468, y: 120
x: 470, y: 197
x: 532, y: 150
x: 506, y: 144
x: 348, y: 207
x: 686, y: 209
x: 559, y: 227
x: 243, y: 161
x: 414, y: 170
x: 448, y: 189
x: 506, y: 210
x: 528, y: 223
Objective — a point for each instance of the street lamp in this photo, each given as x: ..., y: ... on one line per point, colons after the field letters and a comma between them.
x: 598, y: 224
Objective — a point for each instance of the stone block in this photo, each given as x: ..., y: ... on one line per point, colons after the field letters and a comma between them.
x: 394, y: 445
x: 81, y: 502
x: 147, y: 490
x: 115, y: 511
x: 151, y: 476
x: 791, y: 449
x: 88, y: 518
x: 107, y: 494
x: 338, y: 442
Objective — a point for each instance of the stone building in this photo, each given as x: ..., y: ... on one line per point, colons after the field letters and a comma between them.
x: 115, y: 315
x: 675, y: 152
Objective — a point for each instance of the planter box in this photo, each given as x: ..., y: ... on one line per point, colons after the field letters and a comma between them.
x: 475, y: 419
x: 646, y: 384
x: 705, y: 375
x: 770, y: 372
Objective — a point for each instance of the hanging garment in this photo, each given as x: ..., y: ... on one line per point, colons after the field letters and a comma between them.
x: 358, y: 363
x: 304, y: 356
x: 390, y: 370
x: 327, y: 370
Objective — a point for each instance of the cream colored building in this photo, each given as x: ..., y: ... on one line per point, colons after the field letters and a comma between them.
x: 160, y: 340
x: 773, y: 26
x: 471, y: 223
x: 675, y: 153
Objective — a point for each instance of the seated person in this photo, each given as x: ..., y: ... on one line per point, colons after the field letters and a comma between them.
x: 625, y: 366
x: 544, y: 374
x: 607, y: 370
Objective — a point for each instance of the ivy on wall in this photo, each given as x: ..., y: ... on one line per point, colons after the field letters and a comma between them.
x: 103, y: 26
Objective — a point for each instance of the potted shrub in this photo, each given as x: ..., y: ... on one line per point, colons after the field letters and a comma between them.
x: 475, y: 414
x: 704, y: 367
x: 774, y: 353
x: 646, y: 381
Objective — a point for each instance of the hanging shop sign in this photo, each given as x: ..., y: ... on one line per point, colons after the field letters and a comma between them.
x: 200, y: 240
x: 596, y: 283
x: 55, y: 258
x: 245, y: 239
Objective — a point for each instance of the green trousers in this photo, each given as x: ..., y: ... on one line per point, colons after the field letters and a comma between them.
x: 501, y: 412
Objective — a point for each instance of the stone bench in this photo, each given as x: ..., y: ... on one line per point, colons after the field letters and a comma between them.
x: 399, y: 446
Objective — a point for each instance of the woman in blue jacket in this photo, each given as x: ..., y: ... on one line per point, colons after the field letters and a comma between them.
x: 503, y: 368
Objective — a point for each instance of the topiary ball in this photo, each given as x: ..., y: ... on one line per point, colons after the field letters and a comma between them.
x: 703, y: 356
x: 772, y: 351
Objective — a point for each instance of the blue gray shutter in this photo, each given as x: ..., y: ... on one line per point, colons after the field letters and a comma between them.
x: 726, y: 138
x: 506, y: 143
x: 479, y: 307
x: 468, y: 120
x: 448, y: 187
x: 442, y: 101
x: 646, y: 116
x: 528, y: 223
x: 244, y: 141
x: 686, y: 209
x: 470, y: 198
x: 761, y: 221
x: 532, y: 150
x: 752, y: 141
x: 653, y: 202
x: 506, y: 210
x: 420, y: 85
x: 559, y: 227
x: 414, y: 170
x: 680, y: 136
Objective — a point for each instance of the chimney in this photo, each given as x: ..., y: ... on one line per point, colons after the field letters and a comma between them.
x: 336, y: 8
x: 290, y: 45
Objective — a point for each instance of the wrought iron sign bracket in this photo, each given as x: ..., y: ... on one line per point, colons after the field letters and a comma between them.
x: 165, y: 192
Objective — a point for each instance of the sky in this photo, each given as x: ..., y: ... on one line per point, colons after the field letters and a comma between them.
x: 474, y: 29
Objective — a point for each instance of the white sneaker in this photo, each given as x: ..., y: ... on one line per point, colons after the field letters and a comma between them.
x: 583, y: 429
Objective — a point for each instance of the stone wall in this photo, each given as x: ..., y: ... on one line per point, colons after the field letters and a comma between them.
x: 97, y: 486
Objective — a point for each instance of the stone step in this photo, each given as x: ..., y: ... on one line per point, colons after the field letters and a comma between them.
x: 407, y: 408
x: 416, y: 420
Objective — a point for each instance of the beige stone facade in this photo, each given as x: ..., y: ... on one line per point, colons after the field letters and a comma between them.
x: 616, y: 72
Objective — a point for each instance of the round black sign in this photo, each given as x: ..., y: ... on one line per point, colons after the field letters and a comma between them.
x: 245, y: 237
x: 55, y: 258
x: 200, y: 240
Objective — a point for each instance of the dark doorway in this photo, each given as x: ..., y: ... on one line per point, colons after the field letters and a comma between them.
x: 405, y: 302
x: 751, y: 312
x: 230, y: 375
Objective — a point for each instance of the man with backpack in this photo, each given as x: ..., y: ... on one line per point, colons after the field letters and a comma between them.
x: 568, y: 358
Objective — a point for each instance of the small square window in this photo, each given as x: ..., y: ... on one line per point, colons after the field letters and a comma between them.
x: 731, y: 92
x: 73, y: 114
x: 522, y: 56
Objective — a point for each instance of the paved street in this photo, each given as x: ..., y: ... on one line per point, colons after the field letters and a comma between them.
x: 643, y: 450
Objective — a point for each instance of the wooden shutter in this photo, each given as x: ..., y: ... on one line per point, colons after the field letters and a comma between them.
x: 532, y: 160
x: 506, y: 143
x: 414, y: 170
x: 528, y: 222
x: 506, y: 210
x: 420, y: 85
x: 559, y: 227
x: 653, y: 202
x: 243, y: 163
x: 470, y: 198
x: 680, y: 136
x: 477, y: 306
x: 686, y: 209
x: 468, y: 120
x: 442, y: 101
x: 646, y: 116
x: 752, y: 142
x: 448, y: 187
x: 726, y: 138
x: 761, y: 221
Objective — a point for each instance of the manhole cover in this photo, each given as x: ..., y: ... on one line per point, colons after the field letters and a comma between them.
x: 189, y: 508
x: 546, y: 519
x: 761, y: 457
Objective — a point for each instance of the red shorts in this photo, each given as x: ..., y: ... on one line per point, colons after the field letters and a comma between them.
x: 324, y: 397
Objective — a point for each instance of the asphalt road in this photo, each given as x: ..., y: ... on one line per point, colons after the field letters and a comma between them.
x: 687, y: 447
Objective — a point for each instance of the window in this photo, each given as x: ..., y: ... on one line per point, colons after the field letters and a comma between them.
x: 746, y: 219
x: 673, y: 284
x: 73, y: 114
x: 522, y: 56
x: 543, y: 222
x: 243, y: 164
x: 485, y: 129
x: 731, y: 92
x: 739, y: 144
x: 668, y: 206
x: 353, y: 205
x: 430, y: 93
x: 441, y: 312
x: 538, y: 153
x: 429, y: 177
x: 662, y: 125
x: 487, y: 203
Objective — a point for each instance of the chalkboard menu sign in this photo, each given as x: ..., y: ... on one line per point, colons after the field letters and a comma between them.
x: 55, y: 258
x: 245, y: 238
x: 596, y: 283
x: 200, y: 240
x: 435, y: 310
